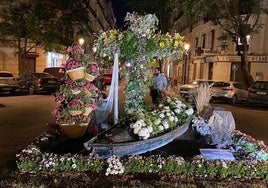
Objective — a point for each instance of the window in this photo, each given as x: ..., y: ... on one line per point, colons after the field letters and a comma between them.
x: 212, y: 39
x: 203, y: 40
x: 196, y: 42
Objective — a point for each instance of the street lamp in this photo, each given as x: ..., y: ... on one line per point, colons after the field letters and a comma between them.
x: 186, y: 49
x: 81, y: 41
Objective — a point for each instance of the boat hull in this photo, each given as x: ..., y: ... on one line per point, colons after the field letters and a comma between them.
x: 106, y: 150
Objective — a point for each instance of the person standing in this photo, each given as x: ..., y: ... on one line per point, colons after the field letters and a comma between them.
x: 158, y: 87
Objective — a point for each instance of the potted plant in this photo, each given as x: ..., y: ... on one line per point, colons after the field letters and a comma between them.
x: 77, y: 97
x: 92, y: 71
x: 75, y: 65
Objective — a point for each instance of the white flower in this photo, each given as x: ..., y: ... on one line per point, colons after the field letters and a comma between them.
x: 189, y: 111
x: 161, y: 128
x: 143, y: 132
x: 224, y: 165
x: 165, y: 125
x: 171, y: 118
x: 146, y: 136
x: 150, y: 129
x: 157, y: 121
x: 73, y: 166
x: 162, y: 115
x: 136, y: 130
x: 168, y: 99
x: 177, y: 110
x: 160, y: 105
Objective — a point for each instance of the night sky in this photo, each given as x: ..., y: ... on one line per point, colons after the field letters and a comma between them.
x: 120, y: 10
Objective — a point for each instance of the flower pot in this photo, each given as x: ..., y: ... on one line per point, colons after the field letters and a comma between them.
x: 88, y: 110
x: 73, y: 130
x: 75, y: 112
x: 76, y: 92
x: 77, y: 73
x: 89, y: 77
x: 91, y: 93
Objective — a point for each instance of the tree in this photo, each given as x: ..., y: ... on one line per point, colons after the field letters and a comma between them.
x: 52, y: 24
x: 237, y: 18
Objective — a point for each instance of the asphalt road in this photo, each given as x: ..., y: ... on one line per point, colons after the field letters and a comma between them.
x: 22, y: 118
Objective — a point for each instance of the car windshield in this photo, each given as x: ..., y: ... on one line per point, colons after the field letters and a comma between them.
x: 201, y: 81
x: 261, y: 85
x: 5, y: 74
x: 221, y: 84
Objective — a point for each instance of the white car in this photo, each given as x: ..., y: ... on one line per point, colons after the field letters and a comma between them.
x: 190, y: 89
x: 8, y: 83
x: 230, y: 91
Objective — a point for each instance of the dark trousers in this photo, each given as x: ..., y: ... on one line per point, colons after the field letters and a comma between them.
x: 156, y: 96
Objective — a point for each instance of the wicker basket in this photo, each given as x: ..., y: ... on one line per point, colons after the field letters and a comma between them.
x: 73, y: 131
x: 89, y: 77
x: 75, y: 112
x: 77, y: 73
x: 88, y: 110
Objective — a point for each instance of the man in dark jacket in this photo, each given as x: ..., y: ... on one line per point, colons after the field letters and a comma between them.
x: 159, y: 86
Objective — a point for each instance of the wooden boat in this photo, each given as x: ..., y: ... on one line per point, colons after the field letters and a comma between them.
x: 134, y: 147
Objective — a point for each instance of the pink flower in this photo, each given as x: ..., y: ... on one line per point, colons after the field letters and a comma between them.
x: 91, y: 86
x: 69, y: 49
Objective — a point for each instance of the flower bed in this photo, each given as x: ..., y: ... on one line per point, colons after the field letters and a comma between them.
x: 37, y: 157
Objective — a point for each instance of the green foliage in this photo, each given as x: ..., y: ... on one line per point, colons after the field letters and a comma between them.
x: 129, y: 46
x: 52, y: 24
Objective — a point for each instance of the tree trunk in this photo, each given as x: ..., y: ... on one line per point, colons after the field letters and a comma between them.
x: 247, y: 78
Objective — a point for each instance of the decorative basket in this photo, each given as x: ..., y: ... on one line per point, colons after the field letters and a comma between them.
x: 75, y: 112
x: 74, y: 130
x: 76, y: 92
x: 87, y: 111
x: 89, y: 77
x: 77, y: 73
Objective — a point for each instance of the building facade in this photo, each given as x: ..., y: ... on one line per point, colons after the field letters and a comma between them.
x: 101, y: 18
x: 211, y: 59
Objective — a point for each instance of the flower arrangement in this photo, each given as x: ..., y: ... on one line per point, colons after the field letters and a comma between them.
x: 77, y: 97
x: 170, y: 114
x: 76, y: 57
x: 139, y: 44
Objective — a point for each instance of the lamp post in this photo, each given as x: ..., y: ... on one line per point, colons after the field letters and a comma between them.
x: 185, y: 72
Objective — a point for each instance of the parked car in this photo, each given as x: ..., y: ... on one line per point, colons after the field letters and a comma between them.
x: 58, y: 72
x: 8, y: 83
x: 258, y: 93
x: 230, y: 91
x: 38, y: 82
x: 107, y: 78
x: 190, y: 89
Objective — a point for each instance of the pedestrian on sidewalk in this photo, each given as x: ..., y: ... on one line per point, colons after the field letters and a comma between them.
x: 159, y: 86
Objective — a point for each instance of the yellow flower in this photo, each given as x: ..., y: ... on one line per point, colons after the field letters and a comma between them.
x: 105, y: 40
x: 113, y: 34
x: 162, y: 44
x: 176, y: 43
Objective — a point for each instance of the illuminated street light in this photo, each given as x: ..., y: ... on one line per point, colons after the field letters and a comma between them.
x: 186, y: 47
x: 81, y: 41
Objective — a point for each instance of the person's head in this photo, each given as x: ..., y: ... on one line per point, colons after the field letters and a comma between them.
x: 157, y: 70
